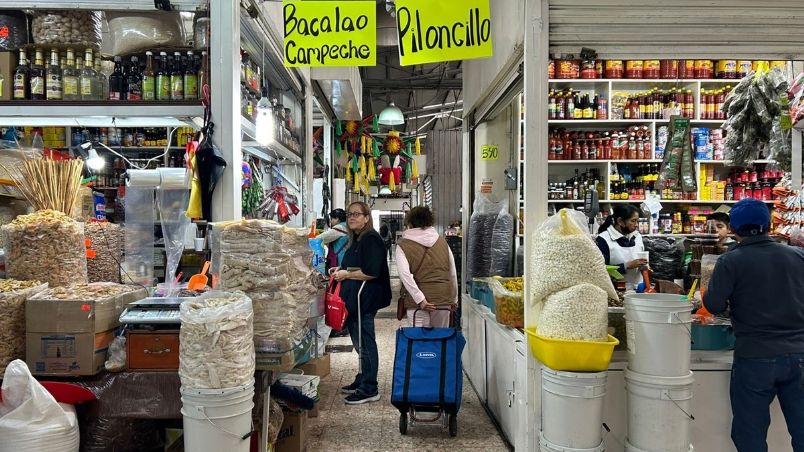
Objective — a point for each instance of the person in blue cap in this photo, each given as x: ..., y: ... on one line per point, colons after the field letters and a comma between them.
x: 761, y: 283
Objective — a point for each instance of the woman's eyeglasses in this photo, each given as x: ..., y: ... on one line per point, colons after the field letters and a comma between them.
x: 355, y: 214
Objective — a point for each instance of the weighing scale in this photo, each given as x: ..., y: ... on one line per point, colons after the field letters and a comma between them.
x: 162, y: 311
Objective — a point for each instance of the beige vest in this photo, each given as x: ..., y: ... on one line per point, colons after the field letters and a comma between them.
x: 430, y: 269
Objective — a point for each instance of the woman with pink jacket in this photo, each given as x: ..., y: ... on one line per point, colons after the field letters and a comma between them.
x: 427, y: 270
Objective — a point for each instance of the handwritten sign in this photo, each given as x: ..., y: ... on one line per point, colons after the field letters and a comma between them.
x: 431, y: 31
x: 489, y: 152
x: 330, y: 33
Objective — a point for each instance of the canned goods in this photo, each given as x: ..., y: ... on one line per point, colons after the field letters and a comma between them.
x: 634, y: 68
x: 614, y: 69
x: 599, y: 69
x: 568, y: 69
x: 704, y: 69
x: 755, y: 64
x: 686, y: 69
x: 668, y: 69
x: 588, y: 70
x: 651, y: 69
x: 551, y: 69
x: 727, y: 69
x: 743, y: 68
x: 778, y: 64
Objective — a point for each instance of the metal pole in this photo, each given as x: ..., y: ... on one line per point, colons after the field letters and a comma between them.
x: 536, y: 59
x: 224, y: 70
x: 796, y: 150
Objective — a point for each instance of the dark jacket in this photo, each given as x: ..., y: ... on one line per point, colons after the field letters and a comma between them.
x: 762, y: 283
x: 367, y: 253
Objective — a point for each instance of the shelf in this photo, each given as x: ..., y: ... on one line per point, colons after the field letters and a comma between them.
x: 673, y: 201
x: 99, y: 114
x: 728, y: 162
x: 264, y: 151
x: 564, y: 201
x: 590, y: 162
x: 94, y: 5
x: 601, y: 121
x: 635, y: 81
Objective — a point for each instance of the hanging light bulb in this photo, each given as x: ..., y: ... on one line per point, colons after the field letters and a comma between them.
x: 265, y: 120
x: 94, y: 161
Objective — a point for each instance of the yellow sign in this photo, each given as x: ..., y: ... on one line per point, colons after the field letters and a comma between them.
x: 489, y: 152
x: 431, y: 31
x: 330, y: 33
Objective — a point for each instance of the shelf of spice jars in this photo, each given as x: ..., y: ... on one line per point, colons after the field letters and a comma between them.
x: 603, y: 161
x: 717, y: 122
x: 677, y: 201
x: 678, y: 81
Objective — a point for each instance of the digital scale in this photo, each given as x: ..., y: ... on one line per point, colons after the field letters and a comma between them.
x: 162, y: 311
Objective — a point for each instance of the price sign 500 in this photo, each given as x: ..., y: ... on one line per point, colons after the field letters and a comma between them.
x: 489, y: 152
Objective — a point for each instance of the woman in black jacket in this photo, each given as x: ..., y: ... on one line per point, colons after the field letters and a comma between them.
x: 364, y: 264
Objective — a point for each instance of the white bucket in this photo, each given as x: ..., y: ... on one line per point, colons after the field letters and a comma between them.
x: 572, y: 408
x: 547, y: 446
x: 659, y: 418
x: 630, y: 448
x: 658, y: 330
x: 217, y: 419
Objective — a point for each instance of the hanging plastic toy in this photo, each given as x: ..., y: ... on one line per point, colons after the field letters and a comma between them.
x: 418, y: 146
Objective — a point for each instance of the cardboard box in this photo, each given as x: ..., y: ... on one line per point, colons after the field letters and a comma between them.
x: 67, y: 354
x: 293, y: 433
x: 320, y: 366
x: 305, y: 384
x: 77, y: 316
x: 8, y: 63
x: 314, y: 412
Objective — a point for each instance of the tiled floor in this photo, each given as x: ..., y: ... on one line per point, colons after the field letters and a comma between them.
x: 375, y: 426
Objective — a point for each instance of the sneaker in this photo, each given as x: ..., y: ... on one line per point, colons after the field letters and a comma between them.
x: 358, y: 398
x: 351, y: 389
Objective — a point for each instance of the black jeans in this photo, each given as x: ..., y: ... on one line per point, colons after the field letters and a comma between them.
x: 369, y: 356
x: 754, y: 385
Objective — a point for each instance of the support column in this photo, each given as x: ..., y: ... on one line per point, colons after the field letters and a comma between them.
x: 224, y: 67
x: 307, y: 163
x: 536, y: 59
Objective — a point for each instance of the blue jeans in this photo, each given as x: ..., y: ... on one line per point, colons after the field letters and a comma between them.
x: 370, y: 359
x: 754, y: 385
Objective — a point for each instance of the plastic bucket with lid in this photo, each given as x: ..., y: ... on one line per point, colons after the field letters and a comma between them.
x: 572, y: 408
x: 547, y: 446
x: 218, y: 419
x: 658, y: 330
x: 659, y: 418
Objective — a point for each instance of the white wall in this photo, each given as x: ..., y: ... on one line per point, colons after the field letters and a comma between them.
x: 496, y: 131
x: 507, y: 32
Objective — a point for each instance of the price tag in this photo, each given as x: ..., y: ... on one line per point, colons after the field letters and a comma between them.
x: 489, y: 152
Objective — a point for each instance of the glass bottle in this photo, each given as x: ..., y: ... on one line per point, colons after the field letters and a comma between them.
x: 162, y: 78
x: 22, y: 89
x: 38, y: 77
x: 190, y: 78
x: 148, y: 78
x: 54, y: 85
x: 203, y: 73
x: 176, y: 78
x: 102, y: 81
x: 134, y: 82
x: 89, y: 79
x: 70, y: 78
x: 116, y: 80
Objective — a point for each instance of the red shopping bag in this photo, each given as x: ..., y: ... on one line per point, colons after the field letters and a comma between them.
x: 336, y: 314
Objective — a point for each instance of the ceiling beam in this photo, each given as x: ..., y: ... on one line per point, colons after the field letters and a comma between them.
x: 446, y: 84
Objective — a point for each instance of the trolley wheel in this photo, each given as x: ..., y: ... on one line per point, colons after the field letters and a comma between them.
x: 453, y: 425
x: 403, y: 423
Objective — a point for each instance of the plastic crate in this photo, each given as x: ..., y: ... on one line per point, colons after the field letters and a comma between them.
x: 510, y: 306
x: 481, y: 291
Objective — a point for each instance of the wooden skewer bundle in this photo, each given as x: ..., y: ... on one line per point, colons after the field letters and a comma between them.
x: 51, y: 184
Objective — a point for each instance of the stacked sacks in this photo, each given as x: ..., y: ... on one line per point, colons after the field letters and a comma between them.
x: 269, y: 263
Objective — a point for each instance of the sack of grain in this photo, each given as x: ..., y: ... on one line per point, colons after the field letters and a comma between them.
x: 13, y: 295
x: 216, y: 345
x: 579, y: 313
x: 565, y: 255
x: 46, y: 246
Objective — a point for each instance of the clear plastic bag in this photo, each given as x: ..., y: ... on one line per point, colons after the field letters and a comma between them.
x: 708, y: 262
x: 578, y: 313
x: 116, y: 358
x: 138, y: 31
x: 490, y: 239
x: 16, y: 25
x: 564, y: 255
x: 666, y: 256
x: 105, y: 251
x: 68, y: 27
x: 12, y: 319
x: 46, y: 246
x: 217, y: 341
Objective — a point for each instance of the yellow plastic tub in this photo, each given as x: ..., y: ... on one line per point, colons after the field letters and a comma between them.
x: 571, y: 356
